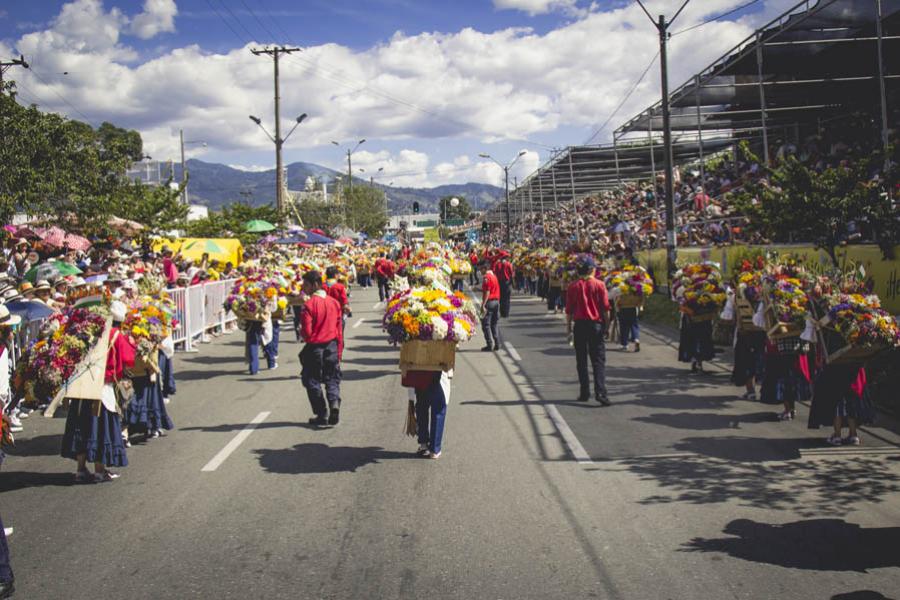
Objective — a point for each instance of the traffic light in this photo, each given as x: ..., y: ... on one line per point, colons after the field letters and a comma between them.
x: 415, y: 208
x: 484, y: 226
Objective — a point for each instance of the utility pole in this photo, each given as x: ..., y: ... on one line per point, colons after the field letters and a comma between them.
x: 349, y: 173
x: 184, y: 198
x: 662, y: 26
x: 508, y: 220
x: 671, y: 251
x: 279, y: 142
x: 16, y: 62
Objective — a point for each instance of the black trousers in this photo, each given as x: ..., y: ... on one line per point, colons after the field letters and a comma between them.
x: 490, y: 323
x: 590, y: 346
x: 383, y: 292
x: 473, y: 276
x: 505, y: 296
x: 6, y: 574
x: 321, y: 367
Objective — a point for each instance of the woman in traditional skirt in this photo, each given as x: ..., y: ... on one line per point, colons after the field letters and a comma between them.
x: 786, y: 375
x: 147, y: 412
x: 749, y: 360
x: 166, y: 373
x: 695, y: 343
x: 98, y: 438
x: 841, y: 399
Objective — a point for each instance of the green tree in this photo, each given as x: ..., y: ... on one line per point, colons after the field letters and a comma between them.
x: 366, y: 210
x: 316, y: 214
x: 461, y: 211
x: 157, y: 207
x: 231, y: 220
x: 795, y: 203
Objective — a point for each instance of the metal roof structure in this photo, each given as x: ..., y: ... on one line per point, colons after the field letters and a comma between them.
x: 817, y: 61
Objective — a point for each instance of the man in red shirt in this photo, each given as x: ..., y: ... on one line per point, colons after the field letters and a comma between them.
x: 587, y: 304
x: 490, y: 308
x: 473, y: 276
x: 503, y: 269
x: 335, y: 289
x: 321, y: 329
x: 384, y: 272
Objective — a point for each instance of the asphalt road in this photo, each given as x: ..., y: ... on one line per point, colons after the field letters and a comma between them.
x: 679, y: 489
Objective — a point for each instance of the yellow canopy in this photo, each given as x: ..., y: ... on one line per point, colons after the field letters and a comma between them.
x: 222, y: 249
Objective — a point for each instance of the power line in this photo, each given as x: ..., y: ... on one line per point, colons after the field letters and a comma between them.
x: 624, y: 100
x: 60, y: 96
x: 716, y: 18
x: 224, y: 20
x: 235, y: 17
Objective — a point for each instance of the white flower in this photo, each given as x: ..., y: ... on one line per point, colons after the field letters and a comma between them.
x: 459, y: 333
x: 440, y: 328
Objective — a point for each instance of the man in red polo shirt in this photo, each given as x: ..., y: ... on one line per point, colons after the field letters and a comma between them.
x: 384, y: 272
x: 335, y: 289
x: 321, y: 329
x: 490, y: 308
x: 503, y: 269
x: 587, y: 305
x: 473, y: 259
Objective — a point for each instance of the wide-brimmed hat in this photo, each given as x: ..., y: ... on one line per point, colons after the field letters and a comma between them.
x: 78, y: 282
x: 42, y: 285
x: 11, y: 294
x: 6, y: 318
x: 21, y: 241
x: 25, y: 287
x: 118, y: 310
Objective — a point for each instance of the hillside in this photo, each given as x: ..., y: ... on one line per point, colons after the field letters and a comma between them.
x: 216, y: 185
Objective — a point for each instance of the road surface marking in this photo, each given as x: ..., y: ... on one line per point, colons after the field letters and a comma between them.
x: 358, y: 323
x: 512, y: 352
x: 568, y: 436
x: 378, y: 305
x: 231, y: 446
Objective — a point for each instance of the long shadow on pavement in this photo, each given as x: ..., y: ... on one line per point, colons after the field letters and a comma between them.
x: 815, y: 544
x: 18, y: 480
x: 320, y: 458
x: 701, y: 421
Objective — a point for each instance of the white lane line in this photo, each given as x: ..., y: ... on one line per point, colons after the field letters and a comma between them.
x: 378, y: 305
x: 358, y: 323
x: 512, y: 352
x: 568, y: 436
x: 231, y: 446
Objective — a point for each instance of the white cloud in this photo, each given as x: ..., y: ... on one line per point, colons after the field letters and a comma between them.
x: 539, y: 7
x: 467, y: 85
x: 253, y: 168
x: 158, y: 17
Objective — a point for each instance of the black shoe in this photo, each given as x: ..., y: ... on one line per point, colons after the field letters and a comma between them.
x: 486, y: 348
x: 604, y: 401
x: 496, y: 347
x: 319, y: 421
x: 6, y: 589
x: 582, y: 398
x: 335, y: 417
x: 694, y: 367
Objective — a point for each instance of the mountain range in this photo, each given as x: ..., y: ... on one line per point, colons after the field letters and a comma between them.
x: 216, y: 185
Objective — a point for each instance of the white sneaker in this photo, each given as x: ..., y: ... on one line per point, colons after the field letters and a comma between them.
x: 7, y: 531
x: 22, y: 414
x: 275, y: 366
x: 14, y: 421
x: 166, y: 400
x: 16, y: 428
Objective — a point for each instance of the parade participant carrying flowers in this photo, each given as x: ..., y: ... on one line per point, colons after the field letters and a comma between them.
x: 321, y: 328
x: 698, y: 290
x: 92, y: 435
x: 628, y: 287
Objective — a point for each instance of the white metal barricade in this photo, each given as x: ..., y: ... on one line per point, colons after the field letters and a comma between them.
x: 180, y: 331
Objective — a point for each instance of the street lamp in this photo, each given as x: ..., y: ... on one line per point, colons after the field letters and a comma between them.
x: 279, y: 143
x: 506, y: 169
x: 349, y: 162
x: 184, y: 194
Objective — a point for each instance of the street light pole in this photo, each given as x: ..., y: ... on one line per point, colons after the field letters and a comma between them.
x: 506, y: 169
x: 184, y: 176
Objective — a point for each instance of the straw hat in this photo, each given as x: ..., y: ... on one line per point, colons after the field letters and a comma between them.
x: 26, y: 288
x: 8, y: 319
x: 118, y: 310
x: 42, y: 285
x: 11, y: 294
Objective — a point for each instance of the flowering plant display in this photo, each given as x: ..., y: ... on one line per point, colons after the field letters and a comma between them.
x: 430, y: 314
x: 698, y: 288
x: 786, y: 289
x: 460, y: 267
x: 149, y: 322
x: 151, y: 284
x: 566, y: 266
x: 88, y: 295
x: 429, y: 271
x: 630, y: 280
x: 749, y: 279
x: 66, y: 339
x: 862, y: 321
x: 255, y: 297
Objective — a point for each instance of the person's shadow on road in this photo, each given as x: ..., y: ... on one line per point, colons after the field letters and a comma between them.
x: 321, y: 458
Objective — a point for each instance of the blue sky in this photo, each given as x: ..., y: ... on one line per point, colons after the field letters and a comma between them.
x: 429, y: 84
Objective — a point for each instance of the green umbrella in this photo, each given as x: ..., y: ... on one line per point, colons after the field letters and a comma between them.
x: 51, y: 270
x: 206, y: 246
x: 258, y: 226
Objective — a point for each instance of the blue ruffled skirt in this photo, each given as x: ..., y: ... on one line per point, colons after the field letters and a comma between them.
x: 147, y: 412
x: 100, y: 438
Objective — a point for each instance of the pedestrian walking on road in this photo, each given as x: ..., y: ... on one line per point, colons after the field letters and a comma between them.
x: 432, y: 394
x: 587, y: 317
x: 335, y: 289
x: 490, y: 308
x: 321, y: 327
x: 503, y: 269
x: 384, y: 272
x: 98, y: 438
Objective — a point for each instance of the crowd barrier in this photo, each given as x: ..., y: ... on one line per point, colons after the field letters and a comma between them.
x: 198, y: 309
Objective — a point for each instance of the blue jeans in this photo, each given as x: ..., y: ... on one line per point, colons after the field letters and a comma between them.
x: 6, y: 574
x: 629, y: 329
x: 252, y: 341
x: 490, y: 323
x: 431, y: 426
x: 271, y: 348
